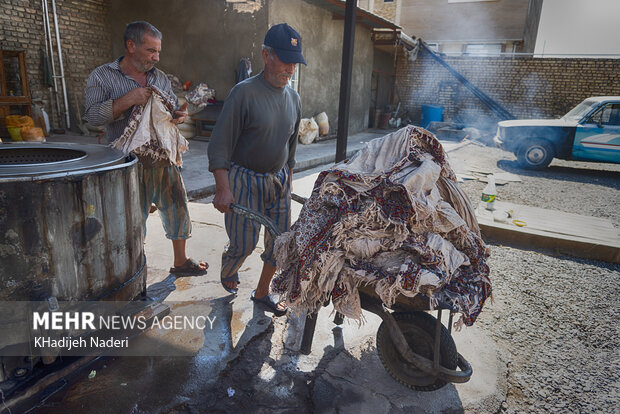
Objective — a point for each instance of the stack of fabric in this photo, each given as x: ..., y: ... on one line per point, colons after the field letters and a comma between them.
x: 150, y: 134
x: 394, y: 218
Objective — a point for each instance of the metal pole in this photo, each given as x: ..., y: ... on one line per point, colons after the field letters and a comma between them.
x: 62, y: 70
x: 51, y: 54
x: 345, y: 80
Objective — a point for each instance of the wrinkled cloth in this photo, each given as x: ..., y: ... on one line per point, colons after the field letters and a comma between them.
x: 151, y: 135
x: 244, y: 70
x: 392, y: 218
x: 201, y: 95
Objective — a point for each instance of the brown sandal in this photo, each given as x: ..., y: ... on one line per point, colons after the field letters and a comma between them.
x: 191, y: 267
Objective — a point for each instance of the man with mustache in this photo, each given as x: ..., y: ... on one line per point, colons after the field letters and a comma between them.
x: 112, y: 90
x: 252, y: 155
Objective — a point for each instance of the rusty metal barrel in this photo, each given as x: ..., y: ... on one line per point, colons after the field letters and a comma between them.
x: 70, y: 223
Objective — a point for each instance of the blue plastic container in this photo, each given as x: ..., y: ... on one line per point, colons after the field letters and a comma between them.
x: 431, y: 113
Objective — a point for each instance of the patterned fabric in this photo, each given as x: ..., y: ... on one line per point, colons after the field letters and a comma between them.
x: 267, y: 193
x: 151, y: 135
x: 164, y: 187
x: 380, y: 219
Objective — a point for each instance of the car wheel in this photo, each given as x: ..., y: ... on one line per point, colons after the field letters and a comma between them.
x: 535, y: 154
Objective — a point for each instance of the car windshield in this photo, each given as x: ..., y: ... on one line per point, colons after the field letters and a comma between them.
x: 580, y: 110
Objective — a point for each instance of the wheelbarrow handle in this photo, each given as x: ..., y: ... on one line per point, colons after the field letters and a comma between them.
x: 260, y: 218
x: 256, y: 217
x: 301, y: 200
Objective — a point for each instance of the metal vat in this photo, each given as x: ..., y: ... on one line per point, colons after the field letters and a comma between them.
x: 70, y: 223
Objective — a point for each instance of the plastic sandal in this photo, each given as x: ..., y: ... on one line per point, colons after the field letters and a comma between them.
x: 191, y: 267
x: 268, y: 302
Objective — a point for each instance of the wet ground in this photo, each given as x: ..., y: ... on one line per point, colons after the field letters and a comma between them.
x: 241, y: 363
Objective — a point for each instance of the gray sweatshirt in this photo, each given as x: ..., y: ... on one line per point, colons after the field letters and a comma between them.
x: 257, y: 128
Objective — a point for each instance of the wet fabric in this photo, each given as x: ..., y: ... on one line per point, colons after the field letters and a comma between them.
x: 266, y: 193
x: 151, y: 135
x: 392, y: 218
x: 164, y: 187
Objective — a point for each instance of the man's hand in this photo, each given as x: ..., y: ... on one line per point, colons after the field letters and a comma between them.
x: 223, y: 199
x: 223, y: 196
x: 137, y: 96
x: 180, y: 115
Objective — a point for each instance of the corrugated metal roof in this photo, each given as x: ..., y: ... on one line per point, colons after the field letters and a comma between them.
x: 364, y: 17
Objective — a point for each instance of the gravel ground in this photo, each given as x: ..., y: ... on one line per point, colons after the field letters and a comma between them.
x: 555, y: 318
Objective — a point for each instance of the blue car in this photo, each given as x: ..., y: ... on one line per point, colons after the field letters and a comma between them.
x: 589, y: 132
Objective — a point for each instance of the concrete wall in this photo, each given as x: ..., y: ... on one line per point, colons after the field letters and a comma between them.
x: 578, y: 27
x: 203, y: 40
x: 320, y: 79
x: 85, y: 42
x: 434, y: 20
x: 527, y: 87
x: 531, y: 25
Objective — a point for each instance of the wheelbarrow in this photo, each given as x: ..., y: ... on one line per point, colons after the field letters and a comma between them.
x: 415, y: 348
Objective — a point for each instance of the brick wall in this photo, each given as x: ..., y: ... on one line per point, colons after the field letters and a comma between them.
x: 84, y: 39
x: 385, y: 10
x: 527, y: 87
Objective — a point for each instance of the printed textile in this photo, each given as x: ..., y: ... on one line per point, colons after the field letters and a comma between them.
x: 392, y: 218
x: 150, y: 135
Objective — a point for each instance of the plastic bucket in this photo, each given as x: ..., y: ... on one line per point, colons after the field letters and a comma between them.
x: 431, y: 113
x: 15, y: 133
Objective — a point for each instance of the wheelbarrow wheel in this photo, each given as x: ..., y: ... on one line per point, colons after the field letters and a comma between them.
x: 419, y: 331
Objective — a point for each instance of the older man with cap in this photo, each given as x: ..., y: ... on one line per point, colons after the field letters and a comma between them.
x: 252, y: 155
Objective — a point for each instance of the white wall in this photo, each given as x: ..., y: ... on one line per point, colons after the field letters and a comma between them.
x: 579, y: 27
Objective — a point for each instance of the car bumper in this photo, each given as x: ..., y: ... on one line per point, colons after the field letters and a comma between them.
x: 498, y: 142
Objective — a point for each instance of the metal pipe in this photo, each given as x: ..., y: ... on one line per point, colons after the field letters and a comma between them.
x: 484, y: 98
x: 62, y: 70
x: 345, y: 79
x: 46, y: 22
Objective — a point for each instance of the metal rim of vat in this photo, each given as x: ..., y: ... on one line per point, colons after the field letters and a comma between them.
x: 30, y: 162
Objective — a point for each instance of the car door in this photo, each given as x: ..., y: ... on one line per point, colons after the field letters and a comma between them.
x: 598, y: 137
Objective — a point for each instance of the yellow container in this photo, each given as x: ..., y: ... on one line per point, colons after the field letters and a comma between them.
x: 19, y: 121
x: 32, y: 134
x: 15, y: 133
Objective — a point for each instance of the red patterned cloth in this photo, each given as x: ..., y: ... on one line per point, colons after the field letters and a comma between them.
x: 393, y: 218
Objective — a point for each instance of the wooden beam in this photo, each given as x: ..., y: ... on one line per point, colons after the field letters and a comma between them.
x: 14, y: 100
x: 554, y: 231
x: 2, y: 77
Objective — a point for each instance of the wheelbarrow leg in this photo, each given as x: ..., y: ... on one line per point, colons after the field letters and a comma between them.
x: 306, y: 341
x: 338, y: 318
x: 437, y: 340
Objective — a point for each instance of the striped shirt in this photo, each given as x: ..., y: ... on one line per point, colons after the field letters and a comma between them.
x: 108, y: 83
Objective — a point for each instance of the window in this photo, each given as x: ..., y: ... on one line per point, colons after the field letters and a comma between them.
x: 294, y: 81
x: 388, y: 1
x: 433, y: 46
x: 483, y: 49
x: 609, y: 115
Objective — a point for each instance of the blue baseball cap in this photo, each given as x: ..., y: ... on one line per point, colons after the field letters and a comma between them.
x: 286, y: 42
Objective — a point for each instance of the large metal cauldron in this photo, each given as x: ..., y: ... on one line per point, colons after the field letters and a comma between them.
x: 70, y: 223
